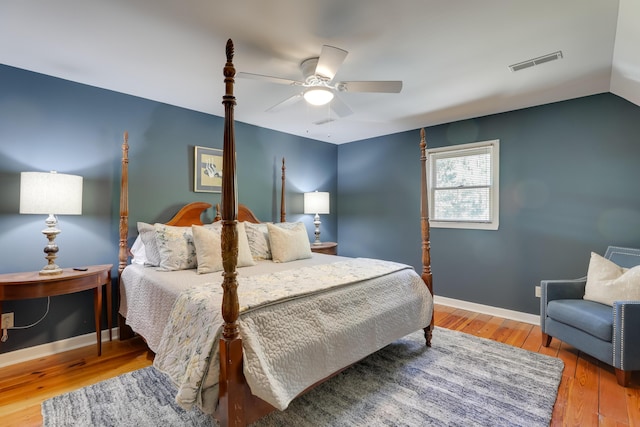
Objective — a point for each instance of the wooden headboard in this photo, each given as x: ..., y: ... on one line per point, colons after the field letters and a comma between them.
x: 191, y: 214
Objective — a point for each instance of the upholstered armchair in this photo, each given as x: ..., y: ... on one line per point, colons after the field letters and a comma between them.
x: 608, y: 329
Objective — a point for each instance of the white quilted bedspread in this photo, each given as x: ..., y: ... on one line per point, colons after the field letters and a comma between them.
x: 292, y: 341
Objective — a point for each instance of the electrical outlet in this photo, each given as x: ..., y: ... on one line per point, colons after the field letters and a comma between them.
x: 538, y: 291
x: 7, y: 320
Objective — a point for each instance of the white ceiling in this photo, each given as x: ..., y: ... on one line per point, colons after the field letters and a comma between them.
x: 453, y: 56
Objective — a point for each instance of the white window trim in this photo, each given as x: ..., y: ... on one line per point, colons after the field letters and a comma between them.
x: 494, y: 223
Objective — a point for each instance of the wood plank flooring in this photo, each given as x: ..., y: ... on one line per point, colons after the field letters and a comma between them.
x: 588, y: 394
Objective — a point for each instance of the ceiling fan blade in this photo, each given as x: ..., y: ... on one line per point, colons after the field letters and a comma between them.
x: 340, y: 108
x: 331, y: 58
x: 324, y: 121
x: 270, y: 79
x: 286, y: 103
x: 390, y: 86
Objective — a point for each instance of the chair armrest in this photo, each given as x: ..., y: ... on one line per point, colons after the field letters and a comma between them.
x: 562, y: 289
x: 558, y: 289
x: 626, y: 335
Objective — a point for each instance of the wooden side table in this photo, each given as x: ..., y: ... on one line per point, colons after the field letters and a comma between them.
x: 15, y: 286
x: 329, y: 248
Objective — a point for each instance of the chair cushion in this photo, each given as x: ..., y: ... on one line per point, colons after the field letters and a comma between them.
x: 591, y: 317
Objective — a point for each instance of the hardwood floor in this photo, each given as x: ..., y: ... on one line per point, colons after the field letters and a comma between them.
x: 24, y: 386
x: 588, y: 394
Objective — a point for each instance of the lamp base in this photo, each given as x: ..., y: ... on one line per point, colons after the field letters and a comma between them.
x: 51, y: 249
x: 50, y: 270
x: 316, y: 222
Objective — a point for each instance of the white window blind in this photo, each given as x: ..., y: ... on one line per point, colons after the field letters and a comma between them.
x: 463, y: 186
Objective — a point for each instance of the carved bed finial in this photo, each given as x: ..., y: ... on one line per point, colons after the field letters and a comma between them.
x: 229, y: 72
x: 230, y: 50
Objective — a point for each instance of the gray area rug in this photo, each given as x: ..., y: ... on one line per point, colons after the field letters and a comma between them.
x: 461, y: 381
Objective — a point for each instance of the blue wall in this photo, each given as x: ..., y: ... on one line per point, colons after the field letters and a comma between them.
x: 53, y: 124
x: 569, y: 175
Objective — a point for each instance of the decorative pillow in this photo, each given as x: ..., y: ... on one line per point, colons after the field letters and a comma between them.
x: 176, y: 247
x: 245, y: 258
x: 608, y: 282
x: 289, y: 245
x: 208, y: 252
x: 138, y: 253
x: 258, y: 236
x: 288, y: 225
x: 210, y: 242
x: 147, y: 233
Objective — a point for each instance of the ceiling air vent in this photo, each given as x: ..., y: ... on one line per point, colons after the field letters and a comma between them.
x: 536, y: 61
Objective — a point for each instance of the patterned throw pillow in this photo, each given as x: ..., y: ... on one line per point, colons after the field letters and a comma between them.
x: 258, y: 236
x: 176, y: 247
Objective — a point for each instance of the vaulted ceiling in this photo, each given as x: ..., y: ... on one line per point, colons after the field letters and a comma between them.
x: 452, y: 56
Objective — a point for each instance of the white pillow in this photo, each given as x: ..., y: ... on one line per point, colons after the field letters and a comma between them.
x: 138, y: 253
x: 176, y: 247
x: 147, y: 233
x: 288, y: 225
x: 289, y: 245
x: 209, y: 251
x: 607, y: 282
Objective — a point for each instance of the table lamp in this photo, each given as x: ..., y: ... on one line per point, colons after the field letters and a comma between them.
x: 316, y: 203
x: 50, y: 193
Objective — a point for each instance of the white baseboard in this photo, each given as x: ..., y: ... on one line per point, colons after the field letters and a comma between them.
x: 38, y: 351
x: 487, y: 309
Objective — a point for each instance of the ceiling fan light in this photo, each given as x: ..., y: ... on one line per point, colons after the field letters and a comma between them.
x: 318, y: 96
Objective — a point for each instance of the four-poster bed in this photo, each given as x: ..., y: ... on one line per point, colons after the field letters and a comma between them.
x: 246, y: 359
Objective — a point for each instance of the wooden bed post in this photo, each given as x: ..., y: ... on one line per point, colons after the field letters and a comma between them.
x: 125, y: 331
x: 231, y: 392
x: 424, y: 226
x: 123, y: 252
x: 283, y: 215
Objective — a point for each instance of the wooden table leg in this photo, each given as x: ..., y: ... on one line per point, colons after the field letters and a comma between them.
x: 1, y: 313
x: 109, y: 307
x: 97, y: 310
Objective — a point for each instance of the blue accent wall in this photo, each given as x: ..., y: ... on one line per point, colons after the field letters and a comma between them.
x: 52, y: 124
x: 569, y: 175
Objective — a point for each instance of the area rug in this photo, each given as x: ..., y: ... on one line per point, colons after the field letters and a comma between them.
x: 461, y: 381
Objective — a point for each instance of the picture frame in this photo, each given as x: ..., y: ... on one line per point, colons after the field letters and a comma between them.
x: 207, y: 170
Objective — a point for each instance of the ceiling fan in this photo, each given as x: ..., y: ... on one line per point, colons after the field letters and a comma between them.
x: 318, y: 87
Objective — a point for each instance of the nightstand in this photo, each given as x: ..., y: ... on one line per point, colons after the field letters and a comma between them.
x: 329, y: 248
x: 15, y: 286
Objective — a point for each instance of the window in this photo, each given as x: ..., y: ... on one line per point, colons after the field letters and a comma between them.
x: 463, y: 186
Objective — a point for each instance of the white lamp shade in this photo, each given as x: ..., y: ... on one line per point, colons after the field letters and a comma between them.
x: 318, y: 96
x: 316, y: 203
x: 50, y: 193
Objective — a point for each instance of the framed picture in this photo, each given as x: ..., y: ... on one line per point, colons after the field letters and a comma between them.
x: 208, y: 170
